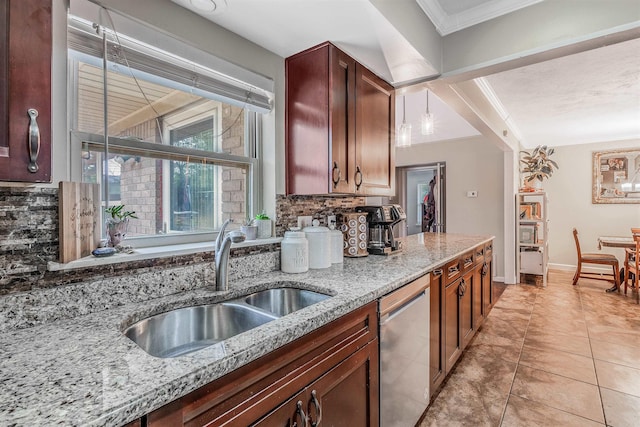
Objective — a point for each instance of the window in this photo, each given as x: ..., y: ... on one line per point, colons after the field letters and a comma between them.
x: 182, y: 138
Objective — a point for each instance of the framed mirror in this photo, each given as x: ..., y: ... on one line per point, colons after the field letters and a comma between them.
x: 616, y: 176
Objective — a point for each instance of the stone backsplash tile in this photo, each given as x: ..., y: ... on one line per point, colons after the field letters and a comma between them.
x: 29, y: 239
x: 28, y: 235
x: 288, y: 208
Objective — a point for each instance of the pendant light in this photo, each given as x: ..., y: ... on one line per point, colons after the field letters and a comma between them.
x: 404, y: 133
x: 426, y: 123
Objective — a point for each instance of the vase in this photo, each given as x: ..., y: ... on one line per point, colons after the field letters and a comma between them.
x: 535, y: 184
x: 251, y: 231
x: 264, y: 228
x: 116, y: 231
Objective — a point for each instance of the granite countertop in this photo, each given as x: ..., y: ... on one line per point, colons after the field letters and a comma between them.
x: 84, y: 371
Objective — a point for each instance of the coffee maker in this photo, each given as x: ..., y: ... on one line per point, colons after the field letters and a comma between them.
x: 381, y: 220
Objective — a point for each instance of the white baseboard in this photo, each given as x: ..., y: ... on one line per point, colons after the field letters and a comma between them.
x: 498, y: 279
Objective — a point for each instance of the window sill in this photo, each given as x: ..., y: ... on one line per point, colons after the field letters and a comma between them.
x: 151, y: 253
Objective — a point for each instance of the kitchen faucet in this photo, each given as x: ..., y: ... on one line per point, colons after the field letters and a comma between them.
x: 222, y: 249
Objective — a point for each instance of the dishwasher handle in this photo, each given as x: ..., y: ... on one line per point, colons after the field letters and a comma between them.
x: 395, y: 312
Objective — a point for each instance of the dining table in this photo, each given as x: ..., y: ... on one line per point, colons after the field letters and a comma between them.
x: 615, y: 242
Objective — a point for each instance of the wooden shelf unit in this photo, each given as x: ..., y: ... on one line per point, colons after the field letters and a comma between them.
x: 532, y: 236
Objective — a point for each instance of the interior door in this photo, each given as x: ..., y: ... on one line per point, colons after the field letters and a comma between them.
x: 421, y: 191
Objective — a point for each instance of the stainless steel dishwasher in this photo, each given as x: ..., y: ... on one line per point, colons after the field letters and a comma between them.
x: 404, y: 354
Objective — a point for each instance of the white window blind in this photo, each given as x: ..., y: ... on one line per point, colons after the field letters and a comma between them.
x: 171, y: 70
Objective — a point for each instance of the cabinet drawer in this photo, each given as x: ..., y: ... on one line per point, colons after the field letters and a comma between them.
x: 479, y: 254
x: 452, y: 271
x: 488, y: 250
x: 467, y: 261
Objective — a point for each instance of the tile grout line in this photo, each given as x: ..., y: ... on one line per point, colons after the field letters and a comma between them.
x: 593, y: 359
x: 513, y: 380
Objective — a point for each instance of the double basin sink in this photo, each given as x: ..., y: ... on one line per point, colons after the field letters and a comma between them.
x: 185, y: 330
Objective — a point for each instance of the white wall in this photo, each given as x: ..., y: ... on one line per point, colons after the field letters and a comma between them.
x: 472, y: 164
x: 570, y: 206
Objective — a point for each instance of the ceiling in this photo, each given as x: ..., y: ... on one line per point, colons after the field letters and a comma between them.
x: 587, y: 97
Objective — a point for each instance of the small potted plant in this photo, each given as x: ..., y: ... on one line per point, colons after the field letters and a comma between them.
x: 249, y: 229
x: 263, y: 222
x: 117, y: 224
x: 537, y: 166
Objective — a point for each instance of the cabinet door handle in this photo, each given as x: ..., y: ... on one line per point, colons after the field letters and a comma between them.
x: 334, y: 178
x: 462, y: 288
x: 301, y: 415
x: 437, y: 272
x: 358, y: 174
x: 485, y: 269
x: 34, y: 140
x: 454, y: 269
x: 316, y: 404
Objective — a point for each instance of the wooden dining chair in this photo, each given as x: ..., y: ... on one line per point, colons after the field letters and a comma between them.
x: 595, y: 258
x: 632, y: 263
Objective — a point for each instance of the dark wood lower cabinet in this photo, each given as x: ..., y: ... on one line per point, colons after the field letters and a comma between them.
x: 467, y: 327
x: 437, y: 368
x: 461, y: 297
x: 479, y: 309
x: 487, y: 278
x: 451, y: 326
x: 330, y: 373
x: 343, y: 396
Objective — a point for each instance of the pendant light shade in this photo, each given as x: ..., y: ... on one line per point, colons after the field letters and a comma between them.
x: 426, y: 122
x: 404, y: 133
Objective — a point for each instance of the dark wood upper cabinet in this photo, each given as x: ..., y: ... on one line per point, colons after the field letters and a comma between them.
x: 25, y: 84
x: 375, y: 121
x: 338, y: 125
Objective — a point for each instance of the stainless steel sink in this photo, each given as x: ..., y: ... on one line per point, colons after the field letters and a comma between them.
x: 282, y: 301
x: 188, y: 329
x: 185, y: 330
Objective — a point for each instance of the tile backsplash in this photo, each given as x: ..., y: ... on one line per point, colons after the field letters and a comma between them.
x: 29, y: 239
x: 288, y: 208
x: 28, y: 235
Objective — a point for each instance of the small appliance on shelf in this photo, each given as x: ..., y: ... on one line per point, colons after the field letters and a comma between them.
x: 381, y: 220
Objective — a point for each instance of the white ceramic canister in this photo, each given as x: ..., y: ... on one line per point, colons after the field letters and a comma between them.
x: 337, y: 244
x: 319, y: 245
x: 294, y: 252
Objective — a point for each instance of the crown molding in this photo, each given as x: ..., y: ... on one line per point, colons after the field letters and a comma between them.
x: 447, y: 24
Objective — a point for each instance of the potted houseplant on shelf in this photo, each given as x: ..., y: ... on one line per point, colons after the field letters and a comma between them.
x: 117, y: 224
x: 537, y: 165
x: 263, y: 222
x: 249, y: 229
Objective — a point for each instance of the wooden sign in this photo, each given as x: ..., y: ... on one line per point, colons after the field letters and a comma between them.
x: 79, y: 214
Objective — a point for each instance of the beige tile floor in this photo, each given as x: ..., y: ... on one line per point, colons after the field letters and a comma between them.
x: 554, y: 356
